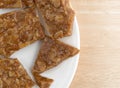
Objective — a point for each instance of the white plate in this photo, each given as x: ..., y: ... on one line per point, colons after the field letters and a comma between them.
x: 63, y: 73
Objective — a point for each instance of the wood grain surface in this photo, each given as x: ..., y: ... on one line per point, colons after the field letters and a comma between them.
x: 99, y: 65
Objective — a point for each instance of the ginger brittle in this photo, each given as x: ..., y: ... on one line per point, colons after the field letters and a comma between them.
x: 52, y: 53
x: 19, y: 29
x: 58, y: 17
x: 13, y: 75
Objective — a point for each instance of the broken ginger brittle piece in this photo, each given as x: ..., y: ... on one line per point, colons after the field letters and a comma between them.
x: 19, y: 29
x: 41, y: 81
x: 52, y: 53
x: 13, y: 75
x: 58, y: 17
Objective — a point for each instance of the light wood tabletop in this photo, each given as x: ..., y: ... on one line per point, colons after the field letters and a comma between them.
x: 99, y: 65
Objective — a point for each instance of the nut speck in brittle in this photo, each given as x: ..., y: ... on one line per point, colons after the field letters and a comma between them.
x: 28, y: 3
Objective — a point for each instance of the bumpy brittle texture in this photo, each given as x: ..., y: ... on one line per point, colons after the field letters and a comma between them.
x: 16, y: 3
x: 52, y: 53
x: 13, y: 75
x: 42, y: 82
x: 19, y: 29
x: 28, y: 3
x: 10, y: 3
x: 58, y: 16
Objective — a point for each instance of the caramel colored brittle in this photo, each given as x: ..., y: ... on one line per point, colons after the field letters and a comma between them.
x: 10, y: 4
x: 57, y: 15
x: 52, y: 53
x: 16, y: 3
x: 28, y: 3
x: 19, y: 29
x: 42, y: 82
x: 13, y: 75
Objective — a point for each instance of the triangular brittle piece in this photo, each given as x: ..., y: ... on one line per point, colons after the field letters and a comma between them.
x: 57, y: 15
x: 52, y: 53
x: 42, y: 82
x: 13, y: 75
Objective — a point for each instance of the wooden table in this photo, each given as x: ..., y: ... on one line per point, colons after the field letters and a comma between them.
x: 99, y: 65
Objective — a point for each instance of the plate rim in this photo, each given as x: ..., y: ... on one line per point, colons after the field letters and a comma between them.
x: 78, y: 56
